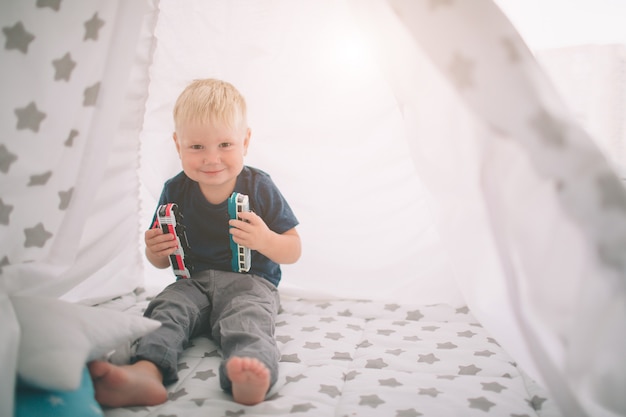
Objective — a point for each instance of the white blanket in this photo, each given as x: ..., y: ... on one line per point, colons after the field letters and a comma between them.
x: 365, y: 358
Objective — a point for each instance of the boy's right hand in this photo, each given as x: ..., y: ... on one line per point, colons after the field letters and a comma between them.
x: 159, y: 244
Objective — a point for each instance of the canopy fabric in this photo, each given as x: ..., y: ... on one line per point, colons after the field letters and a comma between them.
x: 425, y: 151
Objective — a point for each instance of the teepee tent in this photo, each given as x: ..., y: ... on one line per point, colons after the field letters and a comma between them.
x: 429, y: 154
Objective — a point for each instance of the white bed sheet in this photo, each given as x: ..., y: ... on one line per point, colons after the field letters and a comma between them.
x: 364, y: 358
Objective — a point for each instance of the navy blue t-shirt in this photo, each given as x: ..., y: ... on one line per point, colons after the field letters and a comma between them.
x: 207, y: 226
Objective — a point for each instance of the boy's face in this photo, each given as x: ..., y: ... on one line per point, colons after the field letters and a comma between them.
x: 212, y: 154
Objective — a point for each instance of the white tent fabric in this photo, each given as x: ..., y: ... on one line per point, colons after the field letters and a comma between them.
x: 74, y: 80
x: 422, y: 147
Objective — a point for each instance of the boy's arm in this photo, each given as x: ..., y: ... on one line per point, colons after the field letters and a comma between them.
x: 283, y: 248
x: 253, y: 233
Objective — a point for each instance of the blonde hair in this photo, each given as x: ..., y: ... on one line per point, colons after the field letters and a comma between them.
x: 210, y: 100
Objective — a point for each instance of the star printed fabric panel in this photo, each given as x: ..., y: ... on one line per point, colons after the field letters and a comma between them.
x: 55, y: 55
x: 365, y: 358
x: 555, y: 206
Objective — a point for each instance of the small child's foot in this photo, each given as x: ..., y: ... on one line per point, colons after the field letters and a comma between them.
x: 128, y: 385
x: 250, y: 379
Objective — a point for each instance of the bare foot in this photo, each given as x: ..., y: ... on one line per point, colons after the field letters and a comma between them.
x: 127, y: 385
x: 250, y: 378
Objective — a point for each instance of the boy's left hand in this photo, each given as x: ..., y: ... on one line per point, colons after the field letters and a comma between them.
x: 251, y: 231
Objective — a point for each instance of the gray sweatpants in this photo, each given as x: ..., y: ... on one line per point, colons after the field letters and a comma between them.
x: 238, y: 311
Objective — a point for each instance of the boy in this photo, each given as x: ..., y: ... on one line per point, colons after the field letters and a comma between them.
x: 237, y: 310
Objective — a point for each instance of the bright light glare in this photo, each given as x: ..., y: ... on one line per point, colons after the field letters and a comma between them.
x: 345, y: 55
x: 351, y: 52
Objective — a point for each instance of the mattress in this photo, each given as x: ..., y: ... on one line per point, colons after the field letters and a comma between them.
x: 364, y: 358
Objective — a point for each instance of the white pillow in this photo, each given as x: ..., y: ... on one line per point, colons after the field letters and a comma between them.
x: 58, y: 338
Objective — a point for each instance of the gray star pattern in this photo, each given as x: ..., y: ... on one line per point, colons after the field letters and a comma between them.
x: 309, y: 329
x: 411, y: 338
x: 212, y: 354
x: 53, y: 4
x: 291, y: 379
x: 334, y: 336
x: 302, y: 408
x: 235, y: 413
x: 90, y: 96
x: 40, y: 179
x: 312, y: 345
x: 17, y: 37
x: 613, y: 255
x: 323, y: 306
x: 469, y: 370
x: 92, y: 26
x: 389, y: 382
x: 480, y: 403
x: 70, y: 138
x: 63, y: 67
x: 376, y: 363
x: 371, y: 400
x: 462, y: 310
x: 5, y: 212
x: 536, y: 402
x: 198, y: 401
x: 461, y: 71
x: 345, y: 313
x: 330, y: 390
x: 395, y: 352
x: 327, y: 319
x: 140, y: 409
x: 492, y: 340
x: 430, y: 328
x: 549, y: 129
x: 354, y: 327
x: 64, y: 198
x: 415, y: 315
x: 391, y: 307
x: 432, y: 392
x: 492, y: 386
x: 204, y: 375
x: 29, y: 117
x: 385, y: 332
x: 6, y: 159
x: 284, y: 338
x: 429, y: 359
x: 173, y: 396
x: 446, y: 345
x: 4, y: 262
x: 36, y: 236
x: 342, y: 356
x: 182, y: 366
x: 400, y: 323
x: 290, y: 358
x: 612, y: 193
x: 510, y: 48
x: 409, y: 412
x: 350, y: 375
x: 485, y: 353
x: 364, y: 344
x: 467, y: 333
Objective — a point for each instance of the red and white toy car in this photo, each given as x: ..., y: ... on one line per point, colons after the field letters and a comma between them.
x: 170, y: 221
